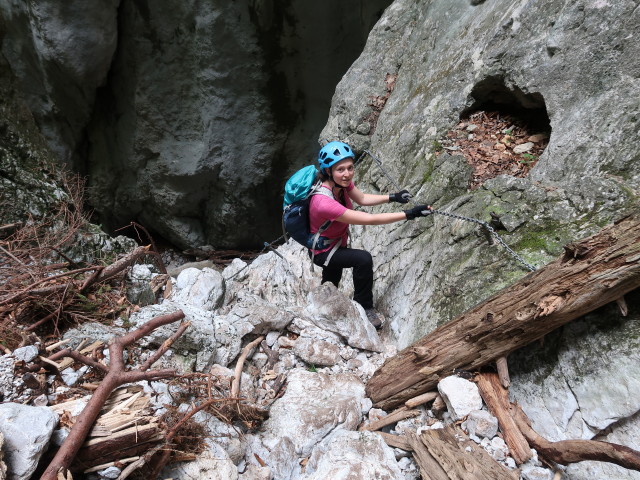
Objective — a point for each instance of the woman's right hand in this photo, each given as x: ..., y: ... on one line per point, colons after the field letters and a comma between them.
x: 418, y: 211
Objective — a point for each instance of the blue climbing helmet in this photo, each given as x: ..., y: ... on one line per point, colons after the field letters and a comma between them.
x: 332, y: 153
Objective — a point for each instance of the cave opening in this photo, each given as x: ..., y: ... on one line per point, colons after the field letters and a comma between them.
x: 492, y: 94
x: 503, y: 130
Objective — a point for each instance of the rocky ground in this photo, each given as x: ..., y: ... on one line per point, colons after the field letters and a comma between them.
x: 308, y: 378
x: 300, y: 410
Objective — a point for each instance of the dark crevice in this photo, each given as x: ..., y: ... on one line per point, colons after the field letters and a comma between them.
x: 491, y: 94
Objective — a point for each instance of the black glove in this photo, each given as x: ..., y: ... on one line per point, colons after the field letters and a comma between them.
x: 419, y: 211
x: 400, y: 197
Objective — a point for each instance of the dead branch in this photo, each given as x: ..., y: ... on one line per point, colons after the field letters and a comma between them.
x: 117, y: 376
x: 394, y: 417
x: 396, y: 441
x: 497, y: 399
x: 420, y: 399
x: 565, y: 452
x: 77, y: 356
x: 503, y: 371
x: 237, y: 375
x: 164, y: 458
x: 271, y: 354
x: 132, y: 467
x: 166, y: 345
x: 154, y: 249
x: 120, y: 265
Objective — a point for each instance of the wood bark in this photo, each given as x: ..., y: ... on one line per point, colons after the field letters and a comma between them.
x: 591, y: 273
x: 447, y: 454
x: 133, y: 441
x: 430, y: 468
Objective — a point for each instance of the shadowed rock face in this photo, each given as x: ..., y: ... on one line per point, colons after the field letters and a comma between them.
x: 187, y: 117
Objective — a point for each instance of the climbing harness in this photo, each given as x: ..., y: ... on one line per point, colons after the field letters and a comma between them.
x: 482, y: 223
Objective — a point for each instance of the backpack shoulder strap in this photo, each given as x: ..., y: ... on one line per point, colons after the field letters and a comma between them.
x: 318, y: 189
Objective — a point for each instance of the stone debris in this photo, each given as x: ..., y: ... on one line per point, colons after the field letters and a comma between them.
x: 461, y: 396
x: 310, y: 379
x: 480, y: 423
x: 26, y: 354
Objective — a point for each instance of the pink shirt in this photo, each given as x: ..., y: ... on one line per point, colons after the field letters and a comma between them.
x: 323, y: 208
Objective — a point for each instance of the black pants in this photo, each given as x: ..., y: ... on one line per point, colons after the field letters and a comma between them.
x: 362, y: 264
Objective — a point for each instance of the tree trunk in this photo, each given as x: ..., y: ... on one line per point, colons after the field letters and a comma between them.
x: 590, y: 274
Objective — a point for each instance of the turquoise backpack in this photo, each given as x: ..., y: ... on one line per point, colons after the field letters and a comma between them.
x: 298, y: 191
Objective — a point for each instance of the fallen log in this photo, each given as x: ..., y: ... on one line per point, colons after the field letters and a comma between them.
x: 447, y: 454
x: 430, y: 468
x: 591, y: 273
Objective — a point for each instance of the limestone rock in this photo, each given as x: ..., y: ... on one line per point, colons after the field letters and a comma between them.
x: 223, y: 434
x: 434, y: 269
x: 461, y: 396
x: 200, y: 340
x: 330, y: 310
x: 317, y: 352
x: 481, y: 424
x: 278, y: 279
x: 26, y: 354
x: 202, y: 288
x: 3, y: 466
x: 26, y: 431
x: 585, y: 392
x: 62, y: 53
x: 256, y: 472
x: 313, y: 406
x: 225, y: 377
x: 92, y: 331
x: 213, y: 464
x: 346, y: 454
x: 139, y: 291
x: 536, y: 473
x: 251, y: 314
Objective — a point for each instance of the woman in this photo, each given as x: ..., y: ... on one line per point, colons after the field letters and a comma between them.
x: 336, y: 165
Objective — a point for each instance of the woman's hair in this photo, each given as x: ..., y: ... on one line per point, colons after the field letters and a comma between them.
x: 321, y: 176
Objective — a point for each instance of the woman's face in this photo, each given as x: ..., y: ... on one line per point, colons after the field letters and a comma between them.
x: 342, y: 172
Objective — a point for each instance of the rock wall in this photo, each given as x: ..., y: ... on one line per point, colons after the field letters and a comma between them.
x: 578, y: 63
x: 449, y: 59
x: 61, y: 52
x: 186, y: 117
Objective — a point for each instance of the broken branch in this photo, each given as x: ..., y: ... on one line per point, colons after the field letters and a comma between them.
x: 497, y: 399
x: 565, y: 452
x: 115, y: 377
x: 235, y: 386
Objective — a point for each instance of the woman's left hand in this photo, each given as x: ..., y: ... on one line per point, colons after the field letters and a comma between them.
x: 400, y: 197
